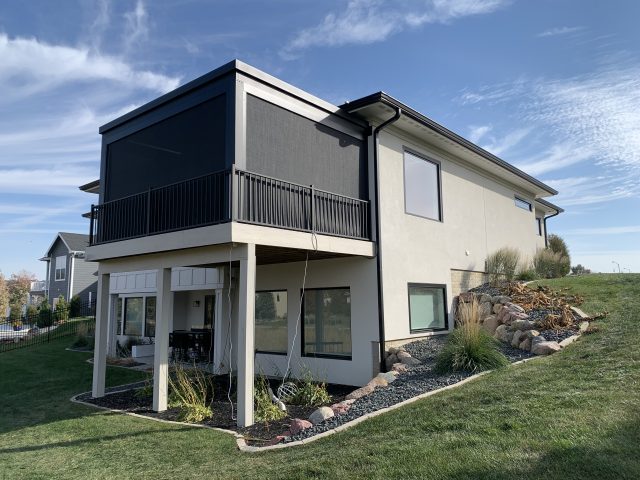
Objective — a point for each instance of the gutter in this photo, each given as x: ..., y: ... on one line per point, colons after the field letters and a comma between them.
x: 381, y: 328
x: 544, y: 221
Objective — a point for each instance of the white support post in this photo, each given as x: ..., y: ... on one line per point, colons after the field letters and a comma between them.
x: 101, y: 336
x: 164, y: 312
x: 246, y: 303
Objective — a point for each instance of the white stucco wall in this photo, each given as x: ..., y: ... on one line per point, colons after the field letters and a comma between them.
x: 478, y: 217
x: 356, y: 273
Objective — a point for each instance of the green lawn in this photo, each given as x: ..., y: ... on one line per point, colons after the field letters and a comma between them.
x: 575, y: 415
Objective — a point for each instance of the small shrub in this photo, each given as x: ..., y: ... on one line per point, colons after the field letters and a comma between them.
x: 147, y: 390
x: 469, y: 347
x: 559, y: 246
x: 264, y: 408
x: 45, y: 315
x: 310, y: 393
x: 31, y: 314
x: 527, y: 275
x: 189, y: 390
x: 62, y: 310
x: 502, y: 265
x: 75, y: 306
x: 550, y: 264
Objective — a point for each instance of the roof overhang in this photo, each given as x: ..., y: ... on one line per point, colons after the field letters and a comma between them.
x: 380, y: 106
x: 548, y: 206
x: 91, y: 187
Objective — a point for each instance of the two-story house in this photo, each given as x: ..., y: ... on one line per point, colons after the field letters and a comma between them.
x: 329, y: 232
x: 68, y: 274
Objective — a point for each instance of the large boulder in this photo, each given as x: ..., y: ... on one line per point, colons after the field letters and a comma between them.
x: 378, y: 382
x: 484, y: 310
x: 545, y: 348
x: 490, y: 324
x: 390, y: 360
x: 360, y: 392
x: 320, y: 415
x: 503, y: 299
x: 298, y: 425
x: 515, y: 341
x: 503, y: 313
x: 529, y: 334
x: 402, y: 355
x: 514, y: 307
x: 410, y: 361
x: 497, y: 307
x: 525, y: 345
x: 484, y: 298
x: 389, y: 377
x: 503, y: 334
x: 399, y: 367
x: 523, y: 324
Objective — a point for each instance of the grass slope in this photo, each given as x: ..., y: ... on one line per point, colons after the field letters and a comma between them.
x: 575, y: 415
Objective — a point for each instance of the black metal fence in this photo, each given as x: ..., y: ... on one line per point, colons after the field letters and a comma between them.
x: 230, y: 194
x: 46, y: 325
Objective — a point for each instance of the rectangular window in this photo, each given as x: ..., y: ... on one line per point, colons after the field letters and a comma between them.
x: 539, y: 225
x: 422, y: 187
x: 520, y: 203
x: 271, y: 322
x: 133, y: 314
x: 119, y: 316
x: 327, y: 323
x: 150, y: 317
x: 61, y: 267
x: 427, y: 308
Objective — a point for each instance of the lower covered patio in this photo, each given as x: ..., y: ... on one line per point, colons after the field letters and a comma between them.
x: 260, y: 322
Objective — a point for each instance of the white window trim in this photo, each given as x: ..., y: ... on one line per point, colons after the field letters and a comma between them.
x: 56, y: 269
x: 123, y: 296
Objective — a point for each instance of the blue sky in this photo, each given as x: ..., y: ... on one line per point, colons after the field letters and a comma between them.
x: 550, y: 86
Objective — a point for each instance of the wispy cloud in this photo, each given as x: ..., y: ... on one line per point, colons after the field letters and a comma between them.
x: 604, y: 230
x: 499, y: 146
x: 370, y: 21
x: 554, y: 32
x: 30, y: 66
x: 136, y: 25
x: 45, y: 181
x: 476, y: 132
x: 556, y: 157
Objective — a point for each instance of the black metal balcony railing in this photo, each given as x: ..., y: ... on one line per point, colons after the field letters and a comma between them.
x: 222, y: 196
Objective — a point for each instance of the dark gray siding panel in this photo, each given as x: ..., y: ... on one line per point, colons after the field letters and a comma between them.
x: 84, y: 279
x: 59, y: 287
x: 288, y: 146
x: 186, y: 145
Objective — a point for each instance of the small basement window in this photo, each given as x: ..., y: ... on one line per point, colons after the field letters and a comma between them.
x: 521, y: 203
x: 427, y: 307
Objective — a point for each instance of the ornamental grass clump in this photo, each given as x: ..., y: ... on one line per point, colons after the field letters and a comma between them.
x: 469, y: 348
x: 190, y: 391
x: 502, y: 265
x: 264, y: 408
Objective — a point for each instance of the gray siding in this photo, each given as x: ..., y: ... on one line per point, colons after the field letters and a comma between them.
x: 84, y: 279
x: 60, y: 287
x: 288, y: 146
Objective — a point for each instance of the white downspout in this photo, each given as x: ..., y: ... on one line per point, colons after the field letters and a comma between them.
x: 71, y: 278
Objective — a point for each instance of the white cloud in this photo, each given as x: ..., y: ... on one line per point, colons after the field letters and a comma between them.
x: 555, y: 157
x: 45, y: 181
x: 498, y: 147
x: 369, y: 21
x: 136, y: 25
x: 30, y: 66
x: 554, y: 32
x: 476, y: 132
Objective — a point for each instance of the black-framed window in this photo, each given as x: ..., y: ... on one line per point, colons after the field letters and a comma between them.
x: 119, y: 316
x: 271, y: 334
x: 327, y: 323
x: 150, y: 317
x: 133, y: 316
x: 522, y: 203
x: 427, y: 311
x: 422, y: 187
x: 539, y: 226
x: 61, y: 267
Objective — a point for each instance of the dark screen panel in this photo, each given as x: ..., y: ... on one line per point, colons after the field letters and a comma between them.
x: 186, y: 145
x: 290, y: 147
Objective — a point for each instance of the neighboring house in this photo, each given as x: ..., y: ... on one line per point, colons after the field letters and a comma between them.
x: 37, y: 292
x: 377, y: 213
x: 68, y: 273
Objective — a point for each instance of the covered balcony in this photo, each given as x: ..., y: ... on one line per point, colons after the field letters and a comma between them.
x: 225, y: 196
